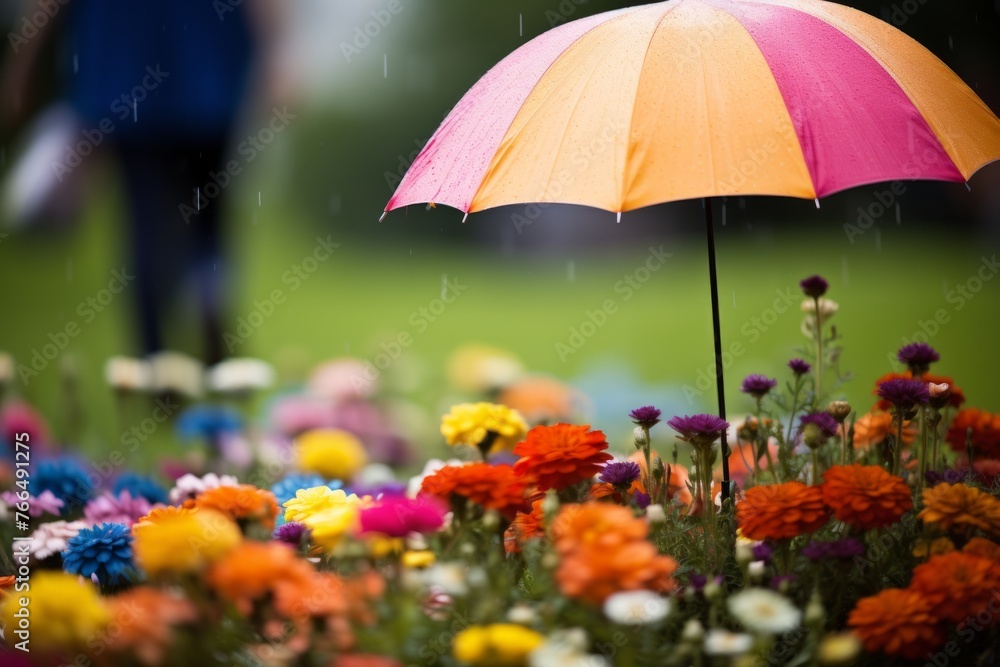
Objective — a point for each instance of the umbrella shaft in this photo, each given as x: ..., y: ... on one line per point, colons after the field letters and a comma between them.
x: 719, y: 383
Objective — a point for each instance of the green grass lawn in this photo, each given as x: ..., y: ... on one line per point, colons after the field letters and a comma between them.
x: 366, y: 295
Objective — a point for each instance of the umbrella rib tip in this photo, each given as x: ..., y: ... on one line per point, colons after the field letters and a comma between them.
x: 382, y: 217
x: 619, y: 217
x: 817, y: 202
x: 466, y: 217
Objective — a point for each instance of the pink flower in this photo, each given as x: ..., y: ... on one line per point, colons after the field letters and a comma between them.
x: 398, y: 517
x: 122, y: 508
x: 51, y: 538
x: 18, y: 417
x: 45, y: 503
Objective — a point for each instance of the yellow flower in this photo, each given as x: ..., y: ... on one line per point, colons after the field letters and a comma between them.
x: 328, y: 526
x: 380, y: 546
x: 184, y: 541
x: 925, y: 549
x: 477, y: 368
x: 315, y: 500
x: 839, y: 650
x: 65, y: 612
x: 497, y: 645
x: 330, y: 452
x: 470, y: 424
x: 418, y: 559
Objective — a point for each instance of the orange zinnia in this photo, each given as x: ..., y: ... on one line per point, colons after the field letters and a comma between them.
x: 979, y: 546
x: 957, y: 395
x: 781, y: 511
x: 985, y: 432
x: 558, y: 456
x: 526, y: 526
x: 493, y: 487
x: 255, y: 571
x: 241, y: 503
x: 957, y: 584
x: 950, y: 505
x: 604, y: 550
x: 874, y: 427
x: 866, y: 497
x: 146, y: 618
x: 897, y: 622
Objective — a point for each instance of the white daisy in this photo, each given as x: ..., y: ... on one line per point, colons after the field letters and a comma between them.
x: 636, y: 607
x: 764, y: 611
x: 238, y: 376
x: 723, y: 642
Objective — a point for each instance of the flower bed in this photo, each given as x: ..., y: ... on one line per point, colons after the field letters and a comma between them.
x: 845, y: 538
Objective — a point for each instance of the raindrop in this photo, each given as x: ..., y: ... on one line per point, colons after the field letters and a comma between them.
x: 878, y: 239
x: 968, y: 187
x: 382, y: 217
x: 570, y: 271
x: 258, y: 199
x: 385, y: 73
x: 521, y: 24
x: 898, y: 218
x: 76, y: 63
x: 619, y: 217
x: 135, y: 111
x: 444, y: 285
x: 817, y: 202
x: 198, y: 204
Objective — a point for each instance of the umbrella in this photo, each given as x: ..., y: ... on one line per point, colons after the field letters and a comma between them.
x: 698, y: 99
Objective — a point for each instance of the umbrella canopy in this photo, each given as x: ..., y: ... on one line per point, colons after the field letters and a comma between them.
x: 702, y: 98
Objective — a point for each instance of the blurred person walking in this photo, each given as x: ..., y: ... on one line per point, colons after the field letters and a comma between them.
x: 160, y: 84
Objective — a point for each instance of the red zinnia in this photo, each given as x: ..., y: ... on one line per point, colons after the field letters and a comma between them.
x: 781, y: 511
x: 985, y: 432
x: 493, y: 487
x: 957, y: 584
x: 866, y: 497
x: 898, y: 622
x: 556, y: 457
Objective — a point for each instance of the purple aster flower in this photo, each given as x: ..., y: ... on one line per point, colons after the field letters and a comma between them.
x: 844, y: 549
x: 799, y: 367
x: 824, y: 420
x: 918, y: 356
x: 290, y: 533
x: 903, y: 393
x: 948, y: 476
x: 44, y: 503
x: 620, y: 473
x: 642, y: 500
x: 646, y: 416
x: 814, y: 286
x: 699, y: 429
x: 762, y: 552
x: 757, y: 385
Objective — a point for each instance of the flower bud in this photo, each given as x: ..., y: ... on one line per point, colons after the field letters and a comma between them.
x: 744, y: 552
x: 712, y: 590
x: 550, y: 505
x: 641, y: 437
x: 490, y: 520
x: 815, y: 614
x: 756, y: 569
x: 839, y: 410
x: 6, y: 369
x: 693, y: 632
x: 655, y: 513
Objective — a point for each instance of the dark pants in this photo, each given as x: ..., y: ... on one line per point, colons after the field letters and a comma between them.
x: 176, y: 239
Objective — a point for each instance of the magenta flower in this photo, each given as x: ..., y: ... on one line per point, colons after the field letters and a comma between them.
x: 646, y: 416
x: 620, y: 473
x: 799, y: 367
x: 290, y: 533
x: 904, y: 394
x: 122, y: 508
x: 918, y: 357
x: 398, y: 517
x: 814, y: 286
x: 824, y: 420
x: 757, y: 385
x: 699, y: 429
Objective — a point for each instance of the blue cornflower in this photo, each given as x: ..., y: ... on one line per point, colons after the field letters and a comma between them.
x: 141, y: 486
x: 104, y: 550
x: 65, y: 478
x: 207, y: 422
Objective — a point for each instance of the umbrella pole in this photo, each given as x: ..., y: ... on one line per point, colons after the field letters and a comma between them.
x: 719, y: 383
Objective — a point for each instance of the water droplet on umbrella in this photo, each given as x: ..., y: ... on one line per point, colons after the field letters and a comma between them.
x: 382, y: 217
x: 570, y: 271
x: 619, y: 217
x: 817, y: 202
x: 968, y: 187
x: 198, y: 203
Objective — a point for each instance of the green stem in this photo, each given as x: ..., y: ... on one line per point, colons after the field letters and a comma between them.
x: 819, y: 350
x: 817, y: 473
x: 649, y: 470
x: 897, y: 447
x: 795, y: 408
x: 934, y: 447
x: 923, y: 451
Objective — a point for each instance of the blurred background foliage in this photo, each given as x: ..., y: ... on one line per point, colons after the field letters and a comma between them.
x: 357, y: 126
